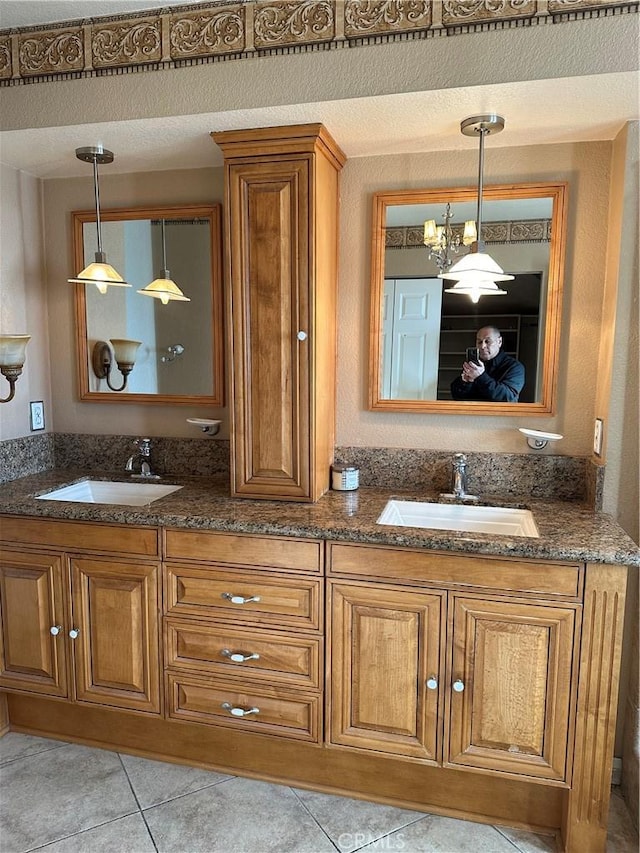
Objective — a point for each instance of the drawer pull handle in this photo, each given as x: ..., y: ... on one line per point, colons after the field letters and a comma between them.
x: 458, y: 685
x: 239, y: 599
x: 73, y: 633
x: 432, y: 683
x: 55, y: 630
x: 239, y: 657
x: 239, y: 712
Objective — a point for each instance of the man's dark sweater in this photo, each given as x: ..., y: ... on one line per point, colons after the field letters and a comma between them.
x: 501, y: 382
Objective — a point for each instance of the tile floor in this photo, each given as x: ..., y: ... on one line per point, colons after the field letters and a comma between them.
x: 65, y: 798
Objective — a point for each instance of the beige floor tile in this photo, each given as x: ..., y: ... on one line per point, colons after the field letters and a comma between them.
x: 434, y: 834
x: 529, y: 842
x: 351, y: 824
x: 155, y: 782
x: 125, y: 835
x: 237, y: 816
x: 14, y: 746
x: 57, y: 793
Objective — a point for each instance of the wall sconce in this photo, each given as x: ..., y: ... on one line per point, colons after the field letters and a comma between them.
x: 12, y: 350
x: 124, y: 352
x: 442, y: 241
x: 100, y: 272
x: 476, y: 274
x: 163, y: 288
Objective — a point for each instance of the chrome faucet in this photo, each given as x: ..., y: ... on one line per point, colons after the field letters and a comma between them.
x: 459, y: 480
x: 459, y: 485
x: 141, y: 460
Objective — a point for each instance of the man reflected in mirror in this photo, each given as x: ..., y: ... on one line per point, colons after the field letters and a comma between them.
x: 496, y: 377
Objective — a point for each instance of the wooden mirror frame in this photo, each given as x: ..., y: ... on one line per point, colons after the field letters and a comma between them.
x: 381, y: 201
x: 197, y: 211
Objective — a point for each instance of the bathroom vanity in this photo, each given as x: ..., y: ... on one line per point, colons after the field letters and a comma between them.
x: 463, y: 674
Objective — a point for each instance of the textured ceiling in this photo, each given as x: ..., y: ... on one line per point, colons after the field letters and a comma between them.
x: 543, y: 112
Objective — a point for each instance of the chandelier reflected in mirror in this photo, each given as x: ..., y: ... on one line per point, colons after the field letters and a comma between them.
x: 444, y: 241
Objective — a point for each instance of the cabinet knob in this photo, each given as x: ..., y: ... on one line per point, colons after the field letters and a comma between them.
x: 239, y: 712
x: 73, y: 633
x: 302, y: 336
x: 432, y: 682
x: 458, y: 685
x: 239, y: 599
x: 239, y: 657
x: 55, y: 630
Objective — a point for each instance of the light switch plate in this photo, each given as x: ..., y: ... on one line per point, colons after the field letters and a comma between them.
x: 597, y: 436
x: 36, y: 415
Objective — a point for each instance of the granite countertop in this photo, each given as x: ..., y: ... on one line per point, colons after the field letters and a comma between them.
x: 568, y: 530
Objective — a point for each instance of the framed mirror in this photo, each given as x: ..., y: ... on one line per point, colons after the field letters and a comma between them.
x: 180, y: 356
x: 419, y: 333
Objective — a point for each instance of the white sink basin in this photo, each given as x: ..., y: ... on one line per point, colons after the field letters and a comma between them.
x: 502, y: 521
x: 106, y: 492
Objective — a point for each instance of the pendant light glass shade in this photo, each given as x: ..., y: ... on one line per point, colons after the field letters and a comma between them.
x: 476, y: 274
x: 100, y: 273
x: 163, y: 288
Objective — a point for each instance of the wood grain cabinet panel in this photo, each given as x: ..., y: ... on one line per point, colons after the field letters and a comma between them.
x: 281, y: 218
x: 385, y: 670
x: 115, y: 611
x: 248, y: 598
x: 31, y: 604
x: 243, y: 653
x: 512, y: 687
x: 251, y: 707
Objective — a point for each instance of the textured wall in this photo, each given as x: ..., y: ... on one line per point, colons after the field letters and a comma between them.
x: 23, y: 299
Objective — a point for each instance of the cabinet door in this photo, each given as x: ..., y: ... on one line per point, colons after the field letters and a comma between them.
x: 268, y: 206
x: 385, y: 666
x: 31, y: 604
x: 512, y: 691
x: 116, y: 651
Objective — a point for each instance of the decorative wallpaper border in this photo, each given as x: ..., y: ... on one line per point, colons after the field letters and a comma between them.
x: 220, y: 31
x: 516, y: 231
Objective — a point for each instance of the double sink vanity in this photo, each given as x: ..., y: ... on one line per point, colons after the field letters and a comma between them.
x: 467, y: 673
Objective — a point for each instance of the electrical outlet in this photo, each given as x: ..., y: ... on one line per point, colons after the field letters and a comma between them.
x: 597, y: 436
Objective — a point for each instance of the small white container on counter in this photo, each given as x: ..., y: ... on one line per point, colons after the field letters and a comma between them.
x: 344, y: 478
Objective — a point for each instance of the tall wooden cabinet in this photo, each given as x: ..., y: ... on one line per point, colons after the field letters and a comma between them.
x: 281, y: 236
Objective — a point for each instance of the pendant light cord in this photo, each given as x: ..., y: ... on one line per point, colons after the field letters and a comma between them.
x: 96, y: 191
x: 482, y: 131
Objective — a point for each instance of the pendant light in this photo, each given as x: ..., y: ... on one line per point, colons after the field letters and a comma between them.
x: 163, y: 288
x: 476, y: 274
x: 100, y: 272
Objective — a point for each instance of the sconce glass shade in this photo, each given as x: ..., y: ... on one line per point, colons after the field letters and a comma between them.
x: 164, y: 289
x: 12, y: 350
x: 124, y: 350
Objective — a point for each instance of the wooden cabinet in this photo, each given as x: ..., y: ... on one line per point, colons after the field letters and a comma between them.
x: 31, y: 605
x: 243, y: 643
x: 385, y: 649
x: 494, y: 690
x: 281, y: 223
x: 81, y: 626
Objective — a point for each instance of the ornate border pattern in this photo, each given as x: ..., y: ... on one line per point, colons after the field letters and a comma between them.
x: 515, y: 231
x: 217, y: 31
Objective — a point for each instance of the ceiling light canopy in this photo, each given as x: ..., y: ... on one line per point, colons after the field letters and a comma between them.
x: 477, y: 274
x: 100, y: 273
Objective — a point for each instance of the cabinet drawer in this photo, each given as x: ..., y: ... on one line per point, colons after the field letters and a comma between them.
x: 303, y: 555
x: 80, y: 536
x: 274, y: 711
x: 539, y: 578
x: 279, y: 601
x: 208, y: 647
